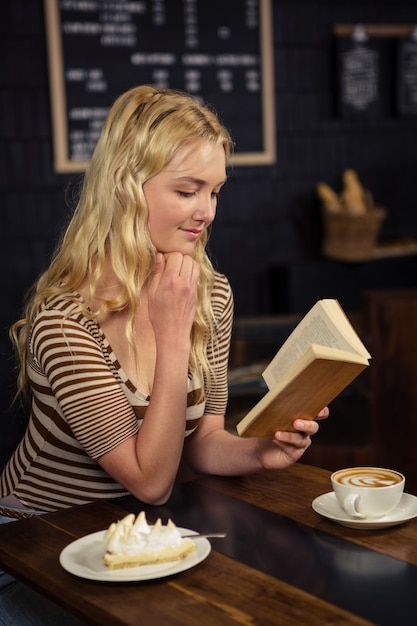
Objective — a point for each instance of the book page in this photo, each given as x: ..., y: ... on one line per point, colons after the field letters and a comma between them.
x: 342, y: 325
x: 315, y: 328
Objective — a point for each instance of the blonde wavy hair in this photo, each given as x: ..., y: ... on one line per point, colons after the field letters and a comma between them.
x: 143, y: 130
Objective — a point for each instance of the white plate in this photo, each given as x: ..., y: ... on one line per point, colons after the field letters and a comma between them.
x: 84, y: 558
x: 328, y: 506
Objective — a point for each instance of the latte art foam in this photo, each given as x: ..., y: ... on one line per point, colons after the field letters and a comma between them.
x: 368, y: 477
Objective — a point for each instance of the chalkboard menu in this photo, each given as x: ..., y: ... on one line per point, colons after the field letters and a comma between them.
x: 359, y: 77
x: 407, y: 77
x: 368, y: 72
x: 219, y: 50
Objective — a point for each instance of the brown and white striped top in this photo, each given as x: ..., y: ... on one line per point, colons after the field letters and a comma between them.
x: 83, y: 404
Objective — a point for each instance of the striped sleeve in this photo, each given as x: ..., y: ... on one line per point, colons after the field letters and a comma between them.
x: 218, y: 350
x: 86, y: 389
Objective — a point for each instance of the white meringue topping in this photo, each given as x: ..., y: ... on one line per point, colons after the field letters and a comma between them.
x: 131, y: 536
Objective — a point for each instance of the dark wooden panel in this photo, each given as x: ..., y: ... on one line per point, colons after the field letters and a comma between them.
x: 391, y: 317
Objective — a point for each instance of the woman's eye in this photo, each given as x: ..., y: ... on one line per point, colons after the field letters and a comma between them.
x: 186, y: 194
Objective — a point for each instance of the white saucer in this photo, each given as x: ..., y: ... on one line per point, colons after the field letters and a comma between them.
x: 328, y: 506
x: 84, y: 557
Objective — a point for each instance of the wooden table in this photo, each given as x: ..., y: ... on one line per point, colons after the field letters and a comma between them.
x: 281, y: 562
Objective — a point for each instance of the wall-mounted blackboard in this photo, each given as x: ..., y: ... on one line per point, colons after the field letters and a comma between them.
x: 364, y: 68
x: 219, y: 50
x: 407, y: 76
x: 358, y: 75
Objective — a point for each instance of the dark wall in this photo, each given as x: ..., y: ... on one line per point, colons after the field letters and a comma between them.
x: 272, y: 213
x: 267, y: 215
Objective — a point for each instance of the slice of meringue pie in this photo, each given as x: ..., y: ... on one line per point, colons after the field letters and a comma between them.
x: 131, y: 542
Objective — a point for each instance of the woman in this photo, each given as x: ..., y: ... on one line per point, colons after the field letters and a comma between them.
x: 125, y: 340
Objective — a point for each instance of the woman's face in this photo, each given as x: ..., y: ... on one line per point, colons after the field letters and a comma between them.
x: 182, y: 198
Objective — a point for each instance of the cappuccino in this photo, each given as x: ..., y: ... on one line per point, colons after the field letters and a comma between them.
x: 367, y: 491
x: 368, y: 477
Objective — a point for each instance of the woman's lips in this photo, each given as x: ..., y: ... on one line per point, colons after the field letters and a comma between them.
x: 194, y: 233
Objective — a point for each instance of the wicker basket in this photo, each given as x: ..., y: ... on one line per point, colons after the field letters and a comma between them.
x: 351, y: 237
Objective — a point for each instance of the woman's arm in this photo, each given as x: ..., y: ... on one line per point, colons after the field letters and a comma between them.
x: 213, y: 450
x: 147, y: 464
x: 69, y: 352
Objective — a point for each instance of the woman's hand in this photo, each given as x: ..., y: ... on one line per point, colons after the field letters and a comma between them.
x: 172, y: 294
x: 288, y: 447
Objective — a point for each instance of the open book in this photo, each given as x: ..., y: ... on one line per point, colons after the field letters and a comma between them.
x: 317, y: 361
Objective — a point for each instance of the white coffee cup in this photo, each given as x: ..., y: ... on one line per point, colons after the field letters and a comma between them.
x: 368, y: 491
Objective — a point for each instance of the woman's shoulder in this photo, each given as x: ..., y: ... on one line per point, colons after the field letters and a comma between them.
x: 221, y: 295
x: 64, y: 301
x: 66, y: 304
x: 221, y: 285
x: 63, y: 314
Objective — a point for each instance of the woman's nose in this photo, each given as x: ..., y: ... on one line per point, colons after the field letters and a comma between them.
x: 206, y: 211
